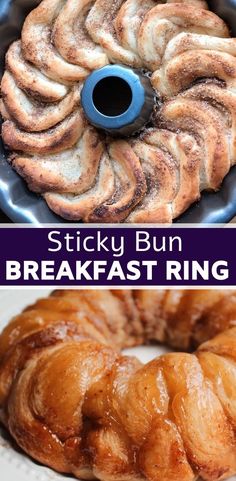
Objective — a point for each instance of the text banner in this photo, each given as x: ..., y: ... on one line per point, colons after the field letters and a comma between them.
x: 123, y: 256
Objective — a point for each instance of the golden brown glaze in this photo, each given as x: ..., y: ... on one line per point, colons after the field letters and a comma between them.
x: 74, y: 403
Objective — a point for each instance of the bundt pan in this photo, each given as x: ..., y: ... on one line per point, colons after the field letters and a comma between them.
x: 20, y: 205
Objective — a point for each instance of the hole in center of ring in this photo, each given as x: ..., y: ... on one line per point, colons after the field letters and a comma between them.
x: 112, y: 96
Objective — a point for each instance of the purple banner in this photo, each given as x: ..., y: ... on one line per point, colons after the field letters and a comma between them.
x: 118, y: 256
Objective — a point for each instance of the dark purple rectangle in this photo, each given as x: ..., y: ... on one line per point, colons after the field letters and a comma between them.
x: 201, y: 256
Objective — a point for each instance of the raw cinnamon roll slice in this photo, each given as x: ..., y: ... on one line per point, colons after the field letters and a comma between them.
x: 160, y: 170
x: 128, y: 22
x: 164, y: 22
x: 38, y: 48
x: 72, y: 170
x: 77, y: 207
x: 184, y: 42
x: 71, y: 37
x: 101, y: 27
x: 183, y: 70
x: 61, y: 137
x: 29, y: 113
x: 130, y: 185
x: 209, y: 129
x: 187, y: 154
x: 224, y: 101
x: 31, y: 79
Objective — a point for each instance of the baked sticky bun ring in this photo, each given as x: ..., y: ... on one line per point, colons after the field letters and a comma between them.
x: 186, y: 146
x: 74, y: 403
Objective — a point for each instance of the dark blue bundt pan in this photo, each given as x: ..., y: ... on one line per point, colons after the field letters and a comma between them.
x: 20, y: 205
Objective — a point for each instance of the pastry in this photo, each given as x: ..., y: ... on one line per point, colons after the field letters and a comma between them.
x: 74, y: 403
x: 186, y: 146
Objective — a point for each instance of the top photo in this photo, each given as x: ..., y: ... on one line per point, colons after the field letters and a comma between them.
x: 118, y: 111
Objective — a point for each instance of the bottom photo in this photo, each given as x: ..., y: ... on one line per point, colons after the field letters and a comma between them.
x: 118, y: 385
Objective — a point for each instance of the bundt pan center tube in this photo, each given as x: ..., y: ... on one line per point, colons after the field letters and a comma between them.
x: 73, y: 402
x: 117, y: 99
x: 139, y: 145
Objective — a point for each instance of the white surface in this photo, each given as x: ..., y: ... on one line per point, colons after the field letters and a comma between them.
x: 15, y: 465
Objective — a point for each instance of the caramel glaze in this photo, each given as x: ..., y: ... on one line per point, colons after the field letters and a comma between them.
x: 74, y: 403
